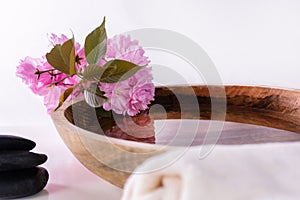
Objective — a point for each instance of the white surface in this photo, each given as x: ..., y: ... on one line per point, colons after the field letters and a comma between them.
x: 251, y: 41
x: 68, y: 178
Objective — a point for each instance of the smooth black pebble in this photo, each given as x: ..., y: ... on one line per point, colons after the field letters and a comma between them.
x: 9, y: 142
x: 13, y: 160
x: 22, y: 183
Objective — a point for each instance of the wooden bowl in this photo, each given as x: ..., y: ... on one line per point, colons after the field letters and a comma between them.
x: 253, y: 115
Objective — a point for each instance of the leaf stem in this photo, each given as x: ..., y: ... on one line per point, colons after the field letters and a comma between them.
x: 41, y: 72
x: 62, y: 80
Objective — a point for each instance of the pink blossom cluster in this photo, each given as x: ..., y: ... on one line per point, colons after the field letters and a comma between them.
x: 134, y: 94
x: 50, y: 84
x: 126, y: 97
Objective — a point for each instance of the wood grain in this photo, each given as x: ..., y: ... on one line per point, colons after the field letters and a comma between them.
x: 271, y: 107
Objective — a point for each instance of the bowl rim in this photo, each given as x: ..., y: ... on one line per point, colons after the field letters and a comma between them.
x: 60, y: 120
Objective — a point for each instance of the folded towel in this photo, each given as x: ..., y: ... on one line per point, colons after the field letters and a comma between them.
x: 248, y: 172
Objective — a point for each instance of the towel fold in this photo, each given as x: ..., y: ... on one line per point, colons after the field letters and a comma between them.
x: 248, y: 172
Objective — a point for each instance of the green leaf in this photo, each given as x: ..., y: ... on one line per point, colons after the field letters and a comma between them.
x: 118, y: 70
x: 113, y: 71
x: 55, y: 59
x: 95, y: 44
x: 93, y: 73
x: 62, y: 57
x: 68, y: 52
x: 64, y: 96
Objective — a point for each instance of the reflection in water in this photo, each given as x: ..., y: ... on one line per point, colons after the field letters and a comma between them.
x: 173, y: 130
x: 139, y: 128
x: 176, y: 132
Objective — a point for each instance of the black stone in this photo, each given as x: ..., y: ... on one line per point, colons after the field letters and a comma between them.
x: 13, y: 160
x: 22, y: 183
x: 8, y: 142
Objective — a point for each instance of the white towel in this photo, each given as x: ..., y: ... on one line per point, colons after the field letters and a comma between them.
x: 247, y: 172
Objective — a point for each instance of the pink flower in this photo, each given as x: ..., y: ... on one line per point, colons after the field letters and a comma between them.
x: 26, y: 71
x: 130, y: 96
x: 123, y: 48
x: 134, y: 94
x: 54, y: 39
x: 140, y: 99
x: 126, y: 97
x: 50, y: 84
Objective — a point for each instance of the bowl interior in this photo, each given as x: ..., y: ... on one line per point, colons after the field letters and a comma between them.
x: 252, y: 115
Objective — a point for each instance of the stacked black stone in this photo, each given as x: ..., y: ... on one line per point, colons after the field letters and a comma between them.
x: 20, y: 175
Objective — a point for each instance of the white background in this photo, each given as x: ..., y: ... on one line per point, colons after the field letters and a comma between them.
x: 254, y: 42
